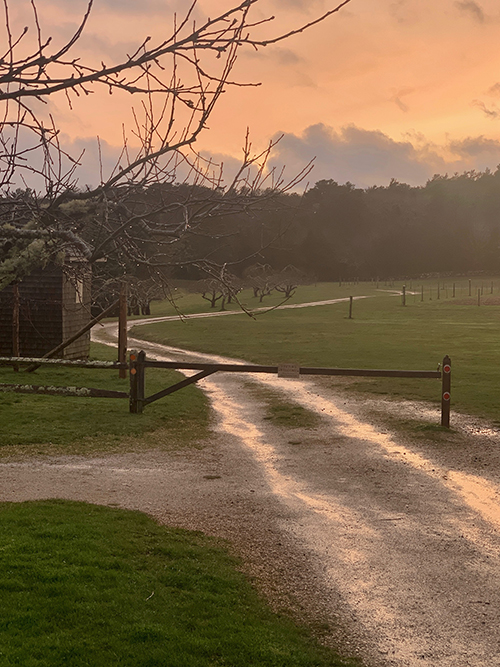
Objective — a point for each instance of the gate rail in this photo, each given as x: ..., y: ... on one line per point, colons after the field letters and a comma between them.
x: 139, y: 363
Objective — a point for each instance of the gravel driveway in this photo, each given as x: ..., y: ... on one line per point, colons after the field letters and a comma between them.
x: 388, y: 547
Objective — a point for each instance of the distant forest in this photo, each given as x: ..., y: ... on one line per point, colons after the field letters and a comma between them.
x: 450, y: 225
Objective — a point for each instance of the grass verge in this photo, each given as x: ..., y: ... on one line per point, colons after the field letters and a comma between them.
x: 38, y: 424
x: 84, y: 585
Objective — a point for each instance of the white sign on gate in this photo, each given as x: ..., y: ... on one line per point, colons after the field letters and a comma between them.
x: 288, y: 371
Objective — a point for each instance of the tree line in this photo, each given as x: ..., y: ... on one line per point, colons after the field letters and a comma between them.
x: 449, y: 225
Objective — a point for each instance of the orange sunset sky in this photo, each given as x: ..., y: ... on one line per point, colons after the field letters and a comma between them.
x: 386, y: 88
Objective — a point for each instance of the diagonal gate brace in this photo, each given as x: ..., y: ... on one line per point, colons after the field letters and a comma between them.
x: 178, y: 385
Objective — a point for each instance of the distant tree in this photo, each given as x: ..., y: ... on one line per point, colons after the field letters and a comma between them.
x: 288, y: 279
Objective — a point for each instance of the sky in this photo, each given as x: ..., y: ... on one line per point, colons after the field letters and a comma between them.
x: 398, y: 89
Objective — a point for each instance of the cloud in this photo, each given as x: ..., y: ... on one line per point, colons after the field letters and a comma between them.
x: 124, y: 6
x: 370, y: 157
x: 403, y: 12
x: 88, y: 173
x: 363, y: 157
x: 478, y: 153
x: 494, y: 91
x: 473, y: 9
x: 398, y: 99
x: 492, y: 112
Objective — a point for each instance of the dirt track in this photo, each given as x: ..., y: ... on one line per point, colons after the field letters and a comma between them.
x: 390, y: 549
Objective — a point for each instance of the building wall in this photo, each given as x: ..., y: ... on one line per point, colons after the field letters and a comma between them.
x: 50, y: 311
x: 76, y: 314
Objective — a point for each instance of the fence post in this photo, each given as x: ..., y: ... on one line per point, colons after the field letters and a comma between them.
x: 478, y: 297
x: 137, y: 381
x: 470, y: 287
x: 404, y: 295
x: 122, y: 329
x: 15, y: 324
x: 350, y: 307
x: 446, y: 392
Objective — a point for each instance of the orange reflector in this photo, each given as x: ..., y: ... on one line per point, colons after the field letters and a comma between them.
x: 132, y: 357
x: 133, y: 371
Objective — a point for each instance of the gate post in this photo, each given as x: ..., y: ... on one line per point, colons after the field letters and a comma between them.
x: 122, y: 329
x: 137, y: 381
x: 446, y: 392
x: 16, y: 352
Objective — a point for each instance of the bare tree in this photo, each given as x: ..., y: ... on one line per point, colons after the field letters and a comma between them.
x: 134, y: 217
x: 262, y: 279
x: 288, y: 279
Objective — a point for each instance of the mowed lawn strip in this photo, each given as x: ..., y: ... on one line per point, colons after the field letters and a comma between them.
x: 85, y: 585
x: 80, y: 425
x: 192, y: 302
x: 382, y: 334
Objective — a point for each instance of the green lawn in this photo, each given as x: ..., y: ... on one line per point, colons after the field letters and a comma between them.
x: 83, y: 585
x: 382, y: 334
x: 54, y: 424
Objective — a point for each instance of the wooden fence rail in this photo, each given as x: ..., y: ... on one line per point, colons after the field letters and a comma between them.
x: 138, y: 364
x: 53, y: 390
x: 12, y: 361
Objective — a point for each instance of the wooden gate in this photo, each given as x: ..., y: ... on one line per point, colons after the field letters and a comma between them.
x: 139, y: 363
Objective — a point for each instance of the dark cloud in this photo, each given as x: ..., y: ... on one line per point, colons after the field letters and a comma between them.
x: 492, y: 112
x: 398, y: 99
x: 362, y: 157
x: 494, y: 91
x: 277, y: 54
x: 471, y: 8
x: 476, y: 146
x: 91, y: 164
x: 403, y: 12
x: 399, y: 103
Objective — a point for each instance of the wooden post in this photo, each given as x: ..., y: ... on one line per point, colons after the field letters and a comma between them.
x: 478, y: 297
x: 137, y: 382
x: 438, y: 296
x: 15, y: 324
x: 453, y: 290
x: 122, y: 330
x: 350, y: 307
x: 491, y: 287
x: 404, y: 295
x: 422, y: 293
x: 446, y: 392
x: 470, y: 287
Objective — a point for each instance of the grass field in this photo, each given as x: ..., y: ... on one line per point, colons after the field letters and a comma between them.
x: 382, y: 334
x: 52, y: 424
x: 84, y: 585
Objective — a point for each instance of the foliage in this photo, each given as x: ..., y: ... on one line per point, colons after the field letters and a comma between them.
x: 449, y: 226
